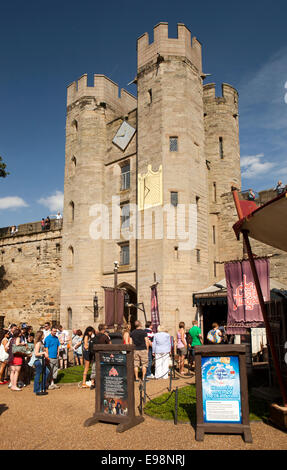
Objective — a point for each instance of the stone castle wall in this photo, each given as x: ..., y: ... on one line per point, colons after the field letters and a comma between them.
x: 30, y: 273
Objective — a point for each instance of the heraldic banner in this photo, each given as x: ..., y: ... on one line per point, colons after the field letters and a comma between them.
x: 154, y: 309
x: 110, y: 306
x: 243, y: 304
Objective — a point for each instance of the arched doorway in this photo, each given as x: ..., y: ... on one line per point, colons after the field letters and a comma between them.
x: 130, y: 313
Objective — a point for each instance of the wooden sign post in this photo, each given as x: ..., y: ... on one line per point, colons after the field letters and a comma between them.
x: 221, y: 391
x: 115, y: 400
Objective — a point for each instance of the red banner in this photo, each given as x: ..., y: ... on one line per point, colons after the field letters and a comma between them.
x: 110, y: 306
x: 154, y: 309
x: 243, y: 304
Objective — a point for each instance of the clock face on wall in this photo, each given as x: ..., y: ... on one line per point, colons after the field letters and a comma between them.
x: 124, y: 135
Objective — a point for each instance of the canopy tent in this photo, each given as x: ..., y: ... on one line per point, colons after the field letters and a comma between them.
x: 267, y: 223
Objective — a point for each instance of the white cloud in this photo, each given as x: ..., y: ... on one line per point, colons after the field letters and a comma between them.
x: 12, y: 202
x: 54, y: 202
x: 252, y: 166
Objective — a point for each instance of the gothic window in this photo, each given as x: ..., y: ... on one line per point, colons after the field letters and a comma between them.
x: 173, y: 144
x: 75, y: 124
x: 73, y: 164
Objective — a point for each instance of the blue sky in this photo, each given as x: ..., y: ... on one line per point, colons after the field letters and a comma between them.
x: 44, y: 46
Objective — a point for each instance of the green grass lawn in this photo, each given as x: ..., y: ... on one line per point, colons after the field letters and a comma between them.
x: 71, y: 375
x: 259, y: 409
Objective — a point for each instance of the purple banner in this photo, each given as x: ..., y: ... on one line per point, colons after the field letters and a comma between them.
x: 243, y: 304
x: 110, y: 306
x: 154, y: 309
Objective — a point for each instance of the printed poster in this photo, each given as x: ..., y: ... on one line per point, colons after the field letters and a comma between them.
x: 114, y: 394
x: 221, y: 389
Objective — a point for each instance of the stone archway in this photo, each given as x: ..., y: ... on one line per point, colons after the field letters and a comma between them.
x: 130, y: 313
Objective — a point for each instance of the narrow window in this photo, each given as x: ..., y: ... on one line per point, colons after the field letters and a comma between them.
x: 174, y: 198
x: 214, y: 268
x: 75, y: 124
x: 198, y: 256
x: 213, y: 234
x: 214, y: 191
x: 197, y: 198
x: 125, y: 216
x: 150, y: 95
x: 221, y: 148
x: 125, y: 177
x: 71, y: 255
x: 173, y: 144
x: 70, y: 318
x: 73, y: 164
x: 125, y: 254
x: 71, y: 211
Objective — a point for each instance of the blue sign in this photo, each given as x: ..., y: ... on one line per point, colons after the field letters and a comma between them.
x: 221, y: 389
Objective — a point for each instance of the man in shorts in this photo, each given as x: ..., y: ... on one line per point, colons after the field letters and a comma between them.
x: 140, y: 340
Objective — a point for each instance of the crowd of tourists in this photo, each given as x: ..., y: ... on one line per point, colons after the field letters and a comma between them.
x: 25, y: 354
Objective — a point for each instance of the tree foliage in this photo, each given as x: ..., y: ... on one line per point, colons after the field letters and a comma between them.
x: 3, y: 172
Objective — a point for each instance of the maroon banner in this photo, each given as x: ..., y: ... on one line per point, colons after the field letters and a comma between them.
x: 243, y: 304
x: 110, y: 306
x: 154, y: 309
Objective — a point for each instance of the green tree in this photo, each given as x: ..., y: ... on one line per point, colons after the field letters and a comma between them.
x: 3, y: 172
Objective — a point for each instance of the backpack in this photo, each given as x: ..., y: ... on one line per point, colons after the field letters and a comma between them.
x: 214, y: 337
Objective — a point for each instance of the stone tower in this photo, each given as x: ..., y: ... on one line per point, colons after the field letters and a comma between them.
x: 89, y: 109
x: 222, y: 154
x: 182, y: 156
x: 171, y: 138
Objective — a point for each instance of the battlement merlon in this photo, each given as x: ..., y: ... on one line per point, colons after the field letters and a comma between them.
x: 104, y: 91
x: 165, y: 46
x: 229, y: 95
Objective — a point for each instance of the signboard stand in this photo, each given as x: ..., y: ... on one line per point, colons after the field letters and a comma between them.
x: 115, y: 400
x: 221, y: 391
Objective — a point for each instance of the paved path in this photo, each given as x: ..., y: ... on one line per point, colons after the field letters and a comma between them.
x: 56, y: 421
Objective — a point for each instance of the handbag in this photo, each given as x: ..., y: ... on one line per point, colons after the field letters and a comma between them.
x: 19, y: 350
x: 3, y: 354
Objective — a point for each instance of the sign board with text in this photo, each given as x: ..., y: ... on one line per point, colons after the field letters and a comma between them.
x: 115, y: 402
x: 221, y: 390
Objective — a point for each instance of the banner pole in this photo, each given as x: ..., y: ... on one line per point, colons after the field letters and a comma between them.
x: 265, y: 317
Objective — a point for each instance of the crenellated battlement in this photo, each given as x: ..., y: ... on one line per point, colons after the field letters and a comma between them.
x: 229, y: 95
x: 104, y: 90
x: 165, y: 46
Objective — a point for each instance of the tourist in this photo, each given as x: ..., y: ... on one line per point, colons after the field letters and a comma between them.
x: 14, y: 230
x: 214, y: 336
x: 52, y: 346
x: 196, y: 336
x: 181, y: 346
x: 39, y: 353
x: 140, y: 340
x: 64, y: 338
x: 161, y: 347
x: 150, y: 335
x: 101, y: 337
x: 4, y: 338
x: 43, y: 224
x: 15, y: 361
x: 280, y: 188
x: 47, y: 329
x: 251, y: 195
x: 47, y: 223
x: 117, y: 336
x: 77, y: 346
x: 126, y: 334
x: 88, y: 336
x: 11, y: 329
